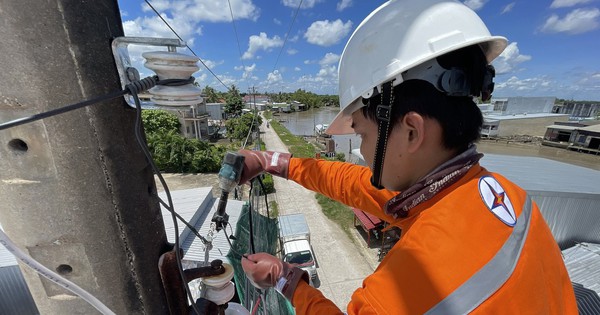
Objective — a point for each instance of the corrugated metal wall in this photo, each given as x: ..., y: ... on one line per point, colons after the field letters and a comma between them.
x: 15, y: 298
x: 573, y: 218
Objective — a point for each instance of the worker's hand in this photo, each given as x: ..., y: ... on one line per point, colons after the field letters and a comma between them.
x: 257, y: 162
x: 265, y: 271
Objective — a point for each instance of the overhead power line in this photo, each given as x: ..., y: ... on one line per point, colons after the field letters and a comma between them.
x: 287, y: 35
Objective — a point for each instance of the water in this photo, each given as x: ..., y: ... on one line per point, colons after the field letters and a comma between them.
x: 302, y: 123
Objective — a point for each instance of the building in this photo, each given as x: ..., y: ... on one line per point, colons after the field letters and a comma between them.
x: 586, y: 139
x: 256, y: 98
x: 504, y: 117
x: 522, y: 105
x: 583, y: 136
x: 578, y: 110
x: 520, y: 124
x: 194, y: 122
x: 216, y: 111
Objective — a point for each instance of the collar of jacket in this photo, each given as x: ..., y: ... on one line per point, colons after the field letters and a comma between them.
x: 405, y: 223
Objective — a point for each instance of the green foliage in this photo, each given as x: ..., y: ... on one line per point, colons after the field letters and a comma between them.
x: 296, y: 145
x: 269, y: 185
x: 340, y: 157
x: 311, y: 100
x: 174, y: 153
x: 238, y: 128
x: 234, y: 103
x: 337, y: 212
x: 273, y: 209
x: 160, y: 121
x: 211, y: 95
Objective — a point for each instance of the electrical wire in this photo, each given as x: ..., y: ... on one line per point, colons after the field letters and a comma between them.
x: 138, y: 135
x: 186, y: 45
x: 191, y: 227
x: 237, y: 39
x: 52, y: 276
x: 287, y: 35
x: 54, y: 112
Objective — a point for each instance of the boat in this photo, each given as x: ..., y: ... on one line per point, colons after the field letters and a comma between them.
x: 320, y: 130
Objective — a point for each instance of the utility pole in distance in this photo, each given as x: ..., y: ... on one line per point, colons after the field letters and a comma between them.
x: 75, y: 188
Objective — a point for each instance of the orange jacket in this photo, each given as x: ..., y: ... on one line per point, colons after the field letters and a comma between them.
x: 449, y: 254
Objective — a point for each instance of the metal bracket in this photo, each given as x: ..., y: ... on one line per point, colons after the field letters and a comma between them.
x: 128, y: 73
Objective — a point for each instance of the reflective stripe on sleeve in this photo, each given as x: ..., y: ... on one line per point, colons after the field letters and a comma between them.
x: 492, y: 276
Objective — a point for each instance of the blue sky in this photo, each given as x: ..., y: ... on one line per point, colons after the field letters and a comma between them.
x: 554, y: 45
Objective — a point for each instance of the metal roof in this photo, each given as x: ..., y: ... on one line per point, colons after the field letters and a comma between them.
x: 583, y: 264
x: 6, y: 258
x: 594, y: 128
x: 197, y: 206
x: 562, y: 127
x: 540, y: 174
x: 523, y: 116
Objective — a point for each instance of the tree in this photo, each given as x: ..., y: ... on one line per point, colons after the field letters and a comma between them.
x: 160, y: 121
x: 211, y: 95
x: 238, y: 128
x: 234, y: 102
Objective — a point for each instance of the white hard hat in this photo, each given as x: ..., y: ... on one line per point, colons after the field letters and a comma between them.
x: 398, y: 36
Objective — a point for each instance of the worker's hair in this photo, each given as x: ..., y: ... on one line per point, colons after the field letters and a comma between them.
x: 459, y: 116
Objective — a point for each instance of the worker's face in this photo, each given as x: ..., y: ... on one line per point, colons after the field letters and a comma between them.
x: 394, y: 167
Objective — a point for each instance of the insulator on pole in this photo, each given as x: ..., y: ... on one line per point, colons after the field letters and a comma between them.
x: 173, y: 65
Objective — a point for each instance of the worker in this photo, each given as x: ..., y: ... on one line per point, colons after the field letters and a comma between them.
x: 472, y: 241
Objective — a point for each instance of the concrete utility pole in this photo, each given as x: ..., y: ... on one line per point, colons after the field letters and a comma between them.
x: 75, y: 189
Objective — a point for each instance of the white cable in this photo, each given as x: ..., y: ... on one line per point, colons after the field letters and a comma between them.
x: 52, y: 276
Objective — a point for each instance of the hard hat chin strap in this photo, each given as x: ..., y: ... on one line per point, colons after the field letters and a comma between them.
x: 384, y: 114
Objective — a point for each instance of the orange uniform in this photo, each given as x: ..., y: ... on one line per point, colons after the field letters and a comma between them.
x: 479, y: 246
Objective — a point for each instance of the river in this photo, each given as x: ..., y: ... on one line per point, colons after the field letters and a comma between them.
x: 302, y: 123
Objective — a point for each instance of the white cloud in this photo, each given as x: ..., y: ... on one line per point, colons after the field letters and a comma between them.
x: 343, y: 4
x: 529, y: 84
x: 306, y: 4
x: 276, y: 21
x: 329, y: 58
x: 325, y: 33
x: 475, y: 4
x: 297, y: 69
x: 159, y: 5
x: 261, y: 42
x: 509, y: 59
x: 212, y: 64
x: 292, y: 51
x: 507, y: 8
x: 274, y: 77
x: 567, y: 3
x: 308, y: 62
x: 123, y: 13
x: 575, y: 22
x: 155, y: 27
x: 248, y: 71
x: 216, y: 11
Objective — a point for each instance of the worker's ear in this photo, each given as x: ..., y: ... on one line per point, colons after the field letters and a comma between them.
x: 414, y: 132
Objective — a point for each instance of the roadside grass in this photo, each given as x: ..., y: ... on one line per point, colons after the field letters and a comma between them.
x: 334, y: 210
x: 295, y: 144
x: 337, y: 212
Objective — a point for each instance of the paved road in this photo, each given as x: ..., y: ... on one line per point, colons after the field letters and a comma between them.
x: 342, y: 264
